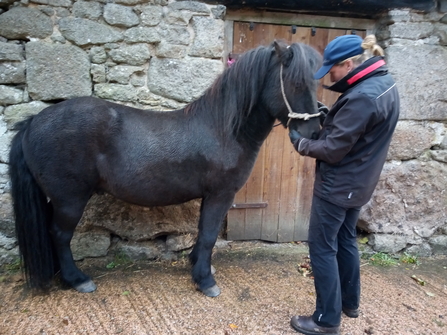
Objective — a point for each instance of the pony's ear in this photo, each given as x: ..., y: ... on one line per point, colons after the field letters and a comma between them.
x: 283, y: 51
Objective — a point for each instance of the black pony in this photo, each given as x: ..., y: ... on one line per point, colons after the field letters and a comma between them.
x: 70, y: 150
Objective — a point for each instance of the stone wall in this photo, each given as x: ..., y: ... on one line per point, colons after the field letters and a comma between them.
x: 408, y: 211
x: 162, y: 54
x: 155, y: 54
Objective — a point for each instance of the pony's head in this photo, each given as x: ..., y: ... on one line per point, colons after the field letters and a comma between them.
x: 259, y: 88
x: 295, y: 104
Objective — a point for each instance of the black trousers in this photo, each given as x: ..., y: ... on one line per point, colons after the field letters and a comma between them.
x: 335, y: 260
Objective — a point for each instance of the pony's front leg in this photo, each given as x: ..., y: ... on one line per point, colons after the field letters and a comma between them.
x: 212, y: 213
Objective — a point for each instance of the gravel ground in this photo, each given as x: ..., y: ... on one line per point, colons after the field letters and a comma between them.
x: 262, y: 288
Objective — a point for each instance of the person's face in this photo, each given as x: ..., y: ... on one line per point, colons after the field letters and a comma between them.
x: 338, y: 71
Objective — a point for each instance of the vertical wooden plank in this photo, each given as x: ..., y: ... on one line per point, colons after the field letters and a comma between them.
x: 246, y: 223
x: 305, y: 181
x: 274, y: 156
x: 255, y: 185
x: 236, y: 218
x: 242, y: 37
x: 272, y: 185
x: 289, y: 191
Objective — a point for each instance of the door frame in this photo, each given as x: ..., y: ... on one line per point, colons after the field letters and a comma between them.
x: 283, y: 18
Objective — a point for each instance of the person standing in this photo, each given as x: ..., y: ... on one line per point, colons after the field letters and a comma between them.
x: 350, y: 153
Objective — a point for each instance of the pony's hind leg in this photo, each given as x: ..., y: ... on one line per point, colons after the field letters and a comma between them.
x: 212, y: 213
x: 65, y: 219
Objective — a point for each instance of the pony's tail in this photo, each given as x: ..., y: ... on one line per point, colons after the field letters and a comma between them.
x: 32, y: 217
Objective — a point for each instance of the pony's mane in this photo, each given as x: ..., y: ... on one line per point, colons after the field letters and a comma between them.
x: 305, y: 62
x: 234, y: 94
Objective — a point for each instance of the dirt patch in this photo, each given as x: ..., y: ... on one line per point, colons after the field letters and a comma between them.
x: 262, y: 288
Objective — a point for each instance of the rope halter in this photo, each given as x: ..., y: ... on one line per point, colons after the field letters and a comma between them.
x: 292, y: 114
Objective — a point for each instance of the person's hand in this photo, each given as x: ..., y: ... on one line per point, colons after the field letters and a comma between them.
x: 323, y: 109
x: 294, y: 136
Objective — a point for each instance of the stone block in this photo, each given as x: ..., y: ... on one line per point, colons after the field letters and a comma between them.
x: 12, y: 73
x: 219, y: 12
x: 23, y: 23
x: 208, y: 37
x: 7, y: 243
x: 147, y: 250
x: 138, y: 79
x: 16, y: 113
x: 9, y: 251
x: 90, y: 244
x: 84, y: 32
x: 116, y: 92
x: 98, y: 72
x: 166, y: 50
x: 182, y: 80
x: 399, y: 15
x: 7, y: 224
x: 441, y: 33
x: 180, y: 18
x: 47, y: 63
x: 142, y: 35
x: 135, y: 54
x: 180, y: 242
x: 87, y: 9
x: 439, y: 155
x: 136, y: 223
x: 121, y: 74
x: 121, y: 16
x: 10, y: 95
x: 175, y: 35
x: 56, y: 3
x: 422, y: 90
x: 135, y: 2
x: 192, y: 6
x: 439, y: 244
x: 11, y: 52
x: 410, y: 140
x: 9, y: 256
x: 5, y: 143
x: 98, y: 55
x: 409, y: 198
x: 387, y: 243
x: 421, y: 250
x: 151, y: 15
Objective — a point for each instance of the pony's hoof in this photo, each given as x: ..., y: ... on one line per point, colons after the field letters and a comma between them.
x: 87, y: 287
x: 212, y: 291
x: 213, y: 270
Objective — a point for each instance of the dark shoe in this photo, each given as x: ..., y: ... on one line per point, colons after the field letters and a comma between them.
x: 307, y: 326
x: 351, y: 313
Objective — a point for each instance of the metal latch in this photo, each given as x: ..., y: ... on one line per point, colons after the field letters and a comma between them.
x: 250, y: 205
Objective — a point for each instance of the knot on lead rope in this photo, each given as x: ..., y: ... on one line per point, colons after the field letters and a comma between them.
x: 304, y: 116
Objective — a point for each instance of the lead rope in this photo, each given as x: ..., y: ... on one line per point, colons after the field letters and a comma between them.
x: 292, y: 114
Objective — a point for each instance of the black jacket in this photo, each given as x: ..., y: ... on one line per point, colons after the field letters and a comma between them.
x: 355, y: 137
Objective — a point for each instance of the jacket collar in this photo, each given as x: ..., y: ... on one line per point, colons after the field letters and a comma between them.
x: 366, y: 70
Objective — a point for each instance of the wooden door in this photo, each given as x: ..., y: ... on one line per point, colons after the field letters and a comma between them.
x: 274, y: 205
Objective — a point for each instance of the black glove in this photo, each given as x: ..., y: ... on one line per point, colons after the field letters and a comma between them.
x: 294, y: 136
x: 323, y: 109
